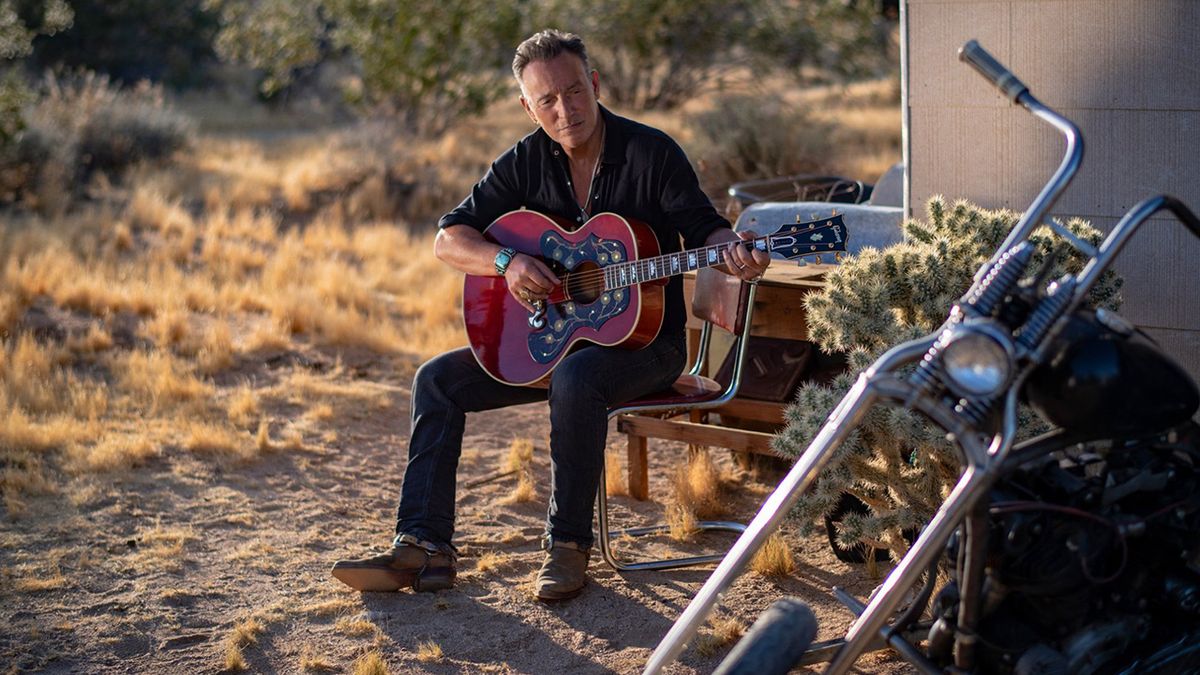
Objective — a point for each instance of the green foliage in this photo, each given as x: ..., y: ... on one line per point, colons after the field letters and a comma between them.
x: 14, y: 96
x: 895, y: 462
x: 655, y: 53
x: 658, y: 54
x: 838, y: 38
x: 167, y: 41
x: 432, y: 61
x: 435, y: 61
x: 23, y: 20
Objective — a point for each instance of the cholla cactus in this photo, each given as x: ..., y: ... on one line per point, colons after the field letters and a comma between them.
x: 895, y: 462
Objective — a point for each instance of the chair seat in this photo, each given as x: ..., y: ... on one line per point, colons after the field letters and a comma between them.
x: 687, y: 390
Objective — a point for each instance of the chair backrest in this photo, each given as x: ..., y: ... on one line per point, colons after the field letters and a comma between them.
x: 720, y: 299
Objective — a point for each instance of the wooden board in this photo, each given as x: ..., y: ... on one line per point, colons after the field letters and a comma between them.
x: 779, y: 303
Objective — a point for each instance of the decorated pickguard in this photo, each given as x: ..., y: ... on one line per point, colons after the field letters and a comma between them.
x: 593, y: 249
x: 564, y: 318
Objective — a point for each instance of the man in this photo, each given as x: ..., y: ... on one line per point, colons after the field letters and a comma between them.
x: 581, y: 161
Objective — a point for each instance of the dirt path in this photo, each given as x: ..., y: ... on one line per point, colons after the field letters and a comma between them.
x: 188, y: 564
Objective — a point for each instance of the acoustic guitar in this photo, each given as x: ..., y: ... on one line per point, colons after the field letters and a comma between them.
x: 612, y: 278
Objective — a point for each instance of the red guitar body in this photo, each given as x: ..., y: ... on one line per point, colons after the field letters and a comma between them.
x: 498, y: 327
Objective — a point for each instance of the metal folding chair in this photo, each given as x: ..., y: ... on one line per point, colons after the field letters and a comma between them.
x: 722, y: 302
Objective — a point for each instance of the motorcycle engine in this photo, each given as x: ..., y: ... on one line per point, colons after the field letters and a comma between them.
x: 1093, y: 563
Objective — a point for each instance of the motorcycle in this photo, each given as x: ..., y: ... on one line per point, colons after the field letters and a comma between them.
x: 1074, y: 552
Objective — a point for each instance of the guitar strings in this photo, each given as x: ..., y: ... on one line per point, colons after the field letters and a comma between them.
x: 594, y: 279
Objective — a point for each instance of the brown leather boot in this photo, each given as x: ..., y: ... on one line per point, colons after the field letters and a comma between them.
x: 564, y: 572
x: 412, y: 563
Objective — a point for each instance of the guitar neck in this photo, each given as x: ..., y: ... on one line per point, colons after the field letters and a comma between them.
x: 660, y: 267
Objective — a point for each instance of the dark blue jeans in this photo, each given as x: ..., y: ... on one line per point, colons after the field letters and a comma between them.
x: 582, y: 387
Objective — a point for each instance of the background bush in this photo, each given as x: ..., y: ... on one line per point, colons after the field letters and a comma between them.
x: 745, y: 137
x: 658, y: 54
x: 167, y: 41
x: 451, y: 57
x: 80, y: 125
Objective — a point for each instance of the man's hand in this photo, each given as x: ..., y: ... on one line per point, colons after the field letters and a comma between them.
x: 745, y: 262
x: 529, y: 280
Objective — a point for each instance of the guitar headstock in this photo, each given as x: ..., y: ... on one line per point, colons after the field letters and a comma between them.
x: 814, y: 238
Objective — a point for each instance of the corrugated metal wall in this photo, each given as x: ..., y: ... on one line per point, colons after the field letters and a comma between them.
x: 1126, y: 71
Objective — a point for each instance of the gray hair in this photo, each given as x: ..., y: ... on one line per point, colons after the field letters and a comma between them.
x: 547, y: 45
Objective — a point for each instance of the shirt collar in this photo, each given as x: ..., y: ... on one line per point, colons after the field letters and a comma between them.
x: 614, y: 139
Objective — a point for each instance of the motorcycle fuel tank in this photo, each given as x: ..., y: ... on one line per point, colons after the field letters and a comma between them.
x: 1109, y: 378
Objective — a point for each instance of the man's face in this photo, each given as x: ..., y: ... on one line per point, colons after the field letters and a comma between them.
x: 561, y: 96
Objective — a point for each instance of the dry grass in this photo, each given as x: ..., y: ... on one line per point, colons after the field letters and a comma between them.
x: 774, y: 559
x: 244, y: 633
x: 356, y: 627
x: 722, y: 632
x: 698, y: 485
x: 311, y: 662
x: 429, y: 652
x: 36, y: 582
x: 262, y: 438
x: 522, y: 492
x: 234, y: 661
x: 681, y: 522
x: 371, y: 663
x: 519, y: 457
x: 175, y: 594
x: 331, y: 608
x: 489, y: 561
x: 112, y: 452
x: 163, y: 548
x: 258, y: 555
x: 247, y: 632
x: 244, y: 250
x: 217, y: 441
x: 243, y: 406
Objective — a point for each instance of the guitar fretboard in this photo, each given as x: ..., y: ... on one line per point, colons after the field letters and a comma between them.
x: 659, y: 267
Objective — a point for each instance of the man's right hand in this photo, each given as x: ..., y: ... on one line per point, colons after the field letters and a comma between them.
x: 529, y: 280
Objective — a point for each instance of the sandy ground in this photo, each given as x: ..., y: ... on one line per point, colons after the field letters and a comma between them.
x: 151, y: 570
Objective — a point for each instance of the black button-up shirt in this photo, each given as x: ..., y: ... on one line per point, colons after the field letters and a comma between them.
x: 643, y: 175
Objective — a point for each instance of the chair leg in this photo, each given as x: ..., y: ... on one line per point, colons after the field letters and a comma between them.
x: 662, y: 564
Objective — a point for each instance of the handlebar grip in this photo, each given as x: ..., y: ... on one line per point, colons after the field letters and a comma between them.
x: 992, y: 70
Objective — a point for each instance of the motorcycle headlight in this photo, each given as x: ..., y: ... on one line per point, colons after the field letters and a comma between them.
x: 976, y: 363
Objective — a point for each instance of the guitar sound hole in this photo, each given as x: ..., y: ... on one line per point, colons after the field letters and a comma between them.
x: 585, y: 284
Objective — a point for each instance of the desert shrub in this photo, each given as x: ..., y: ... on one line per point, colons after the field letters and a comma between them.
x: 134, y: 128
x: 745, y: 137
x: 429, y: 61
x: 895, y: 462
x: 81, y: 124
